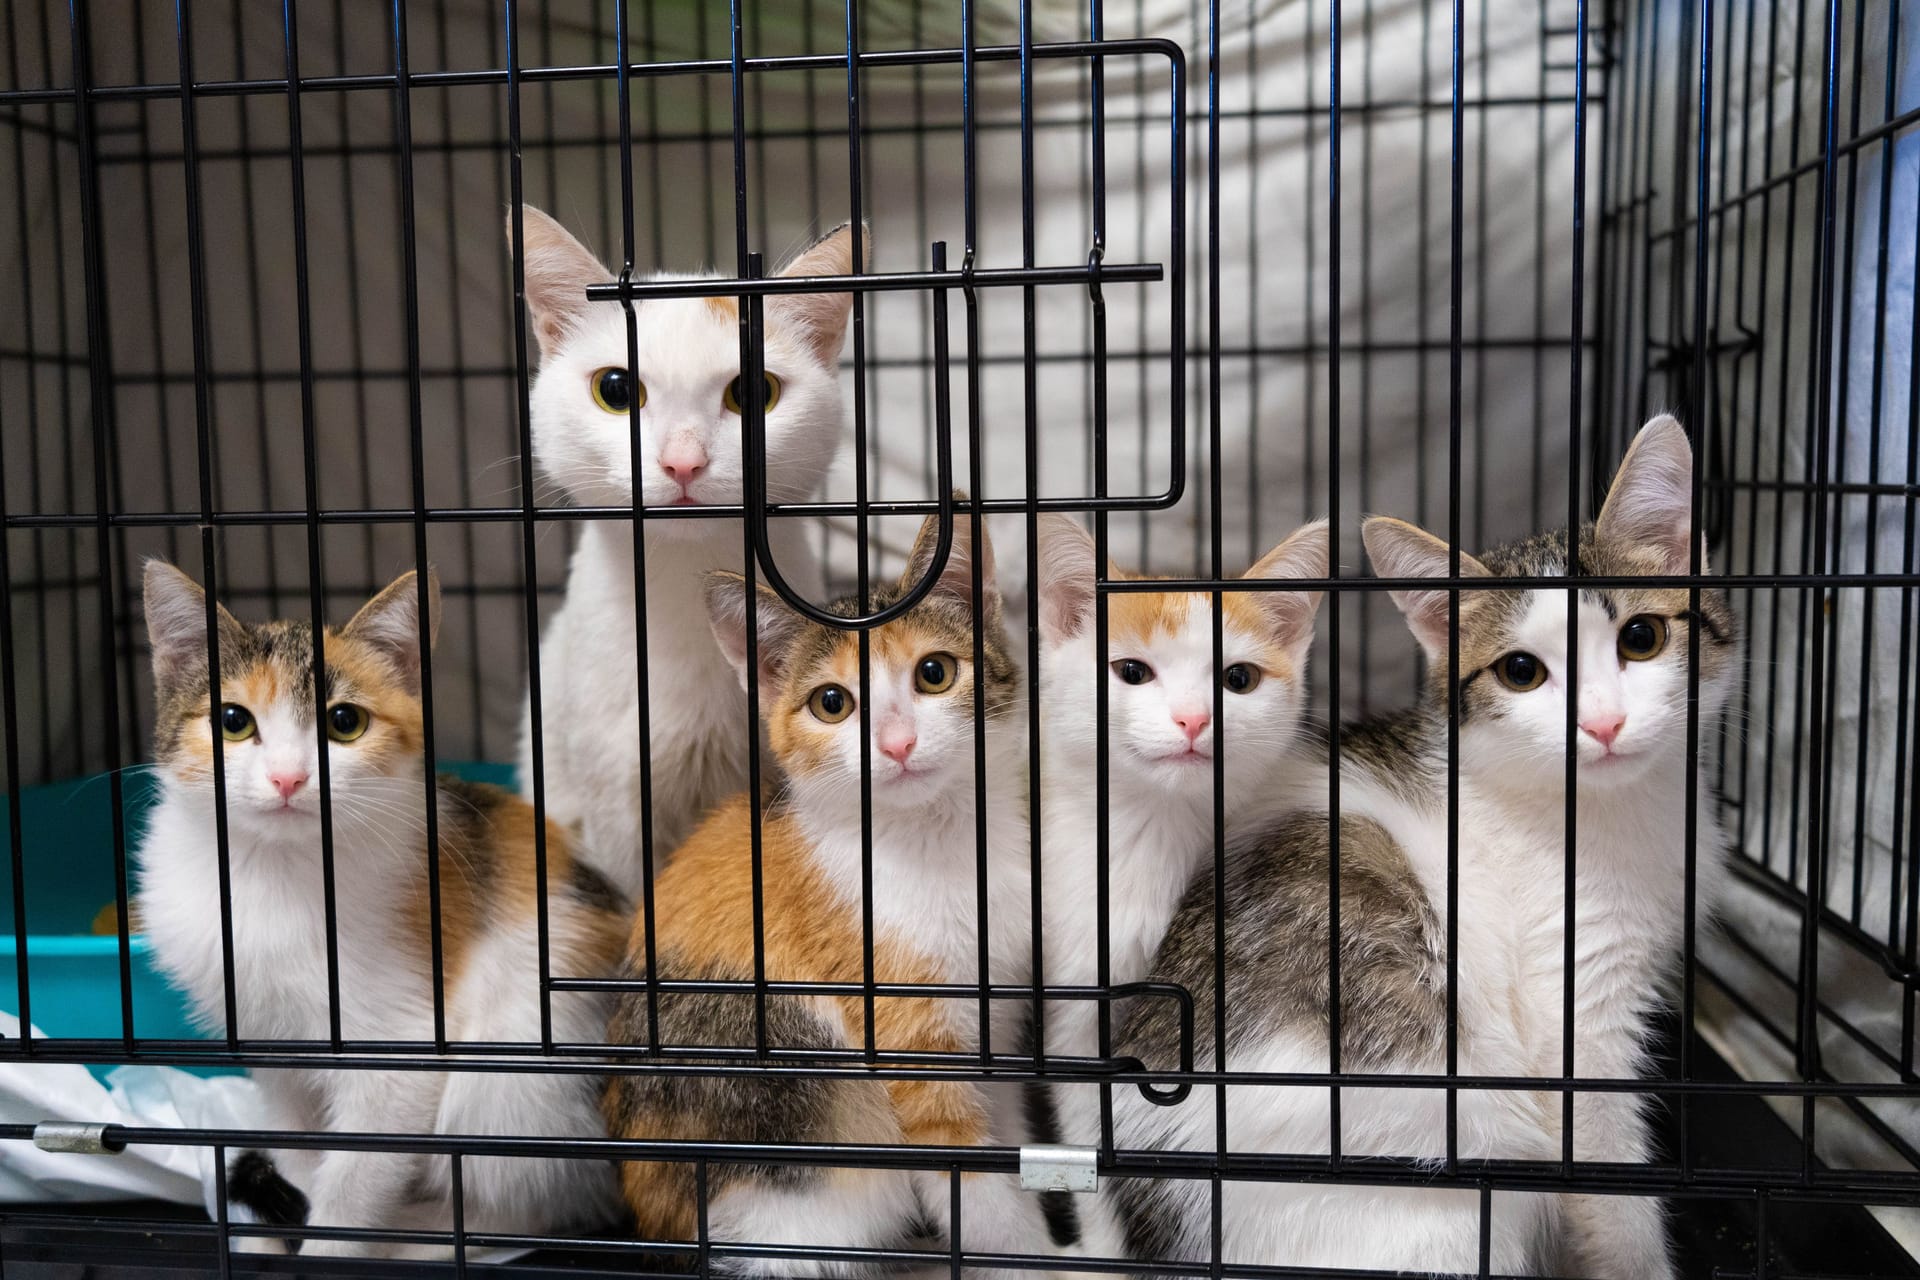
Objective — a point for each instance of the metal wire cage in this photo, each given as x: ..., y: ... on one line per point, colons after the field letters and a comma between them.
x: 1201, y: 271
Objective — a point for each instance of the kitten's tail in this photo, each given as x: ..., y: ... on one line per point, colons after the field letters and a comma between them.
x: 253, y: 1181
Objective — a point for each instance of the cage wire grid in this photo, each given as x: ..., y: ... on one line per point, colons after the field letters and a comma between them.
x: 1728, y: 232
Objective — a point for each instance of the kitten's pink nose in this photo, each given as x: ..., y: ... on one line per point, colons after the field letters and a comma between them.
x: 1605, y: 727
x: 288, y: 781
x: 684, y: 462
x: 897, y: 742
x: 1193, y: 722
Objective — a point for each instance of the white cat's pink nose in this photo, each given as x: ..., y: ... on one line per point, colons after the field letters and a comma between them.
x: 684, y: 463
x: 287, y: 781
x: 896, y: 742
x: 1193, y: 722
x: 1604, y: 728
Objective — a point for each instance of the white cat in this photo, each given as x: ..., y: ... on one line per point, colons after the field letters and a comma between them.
x: 1160, y: 681
x: 686, y: 390
x: 383, y: 939
x: 1632, y: 790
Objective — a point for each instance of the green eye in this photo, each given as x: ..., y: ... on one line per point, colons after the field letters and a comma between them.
x: 236, y: 722
x: 1642, y: 638
x: 618, y: 391
x: 731, y: 396
x: 830, y: 704
x: 935, y: 673
x: 345, y: 722
x: 1243, y: 677
x: 1521, y: 672
x: 1132, y: 671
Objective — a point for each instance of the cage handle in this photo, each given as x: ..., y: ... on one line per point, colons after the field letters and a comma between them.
x: 754, y: 423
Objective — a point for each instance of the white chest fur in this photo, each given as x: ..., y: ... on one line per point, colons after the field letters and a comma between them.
x: 590, y: 693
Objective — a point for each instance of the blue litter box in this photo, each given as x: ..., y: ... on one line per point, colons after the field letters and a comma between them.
x: 73, y: 971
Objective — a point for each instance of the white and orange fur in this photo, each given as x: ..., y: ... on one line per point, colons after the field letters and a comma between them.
x: 488, y: 890
x: 923, y: 841
x: 690, y: 454
x: 1160, y: 748
x: 1632, y: 777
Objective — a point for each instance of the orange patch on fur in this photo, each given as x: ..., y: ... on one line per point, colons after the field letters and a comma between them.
x: 704, y: 917
x: 727, y: 309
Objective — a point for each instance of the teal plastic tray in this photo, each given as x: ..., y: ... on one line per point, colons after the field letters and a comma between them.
x: 73, y: 973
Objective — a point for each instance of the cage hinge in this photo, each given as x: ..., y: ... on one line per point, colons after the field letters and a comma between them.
x: 1052, y: 1167
x: 74, y: 1138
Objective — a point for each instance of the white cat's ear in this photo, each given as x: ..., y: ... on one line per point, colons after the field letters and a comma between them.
x: 1399, y: 550
x: 1651, y: 502
x: 176, y: 610
x: 822, y: 317
x: 1304, y: 554
x: 776, y: 626
x: 1066, y: 577
x: 956, y: 580
x: 390, y: 624
x: 559, y: 269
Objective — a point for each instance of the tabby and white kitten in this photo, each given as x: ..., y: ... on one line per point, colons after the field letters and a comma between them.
x: 686, y: 391
x: 920, y: 728
x: 1160, y: 678
x: 1632, y: 779
x: 488, y: 893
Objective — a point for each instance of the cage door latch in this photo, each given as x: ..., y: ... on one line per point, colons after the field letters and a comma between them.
x: 74, y: 1138
x: 1052, y: 1167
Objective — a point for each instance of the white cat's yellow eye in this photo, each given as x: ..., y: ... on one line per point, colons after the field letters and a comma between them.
x: 236, y: 722
x: 731, y: 396
x: 617, y: 391
x: 935, y: 672
x: 345, y: 722
x: 1642, y: 638
x: 1242, y: 677
x: 1521, y: 672
x: 830, y: 704
x: 1132, y: 670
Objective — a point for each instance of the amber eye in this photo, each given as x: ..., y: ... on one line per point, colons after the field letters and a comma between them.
x: 1521, y: 672
x: 1643, y: 637
x: 236, y: 722
x: 935, y: 672
x: 1242, y: 677
x: 830, y: 704
x: 345, y: 722
x: 1132, y: 671
x: 618, y: 391
x: 731, y: 396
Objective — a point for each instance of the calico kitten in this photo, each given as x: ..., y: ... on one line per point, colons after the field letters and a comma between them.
x: 1160, y: 680
x: 1632, y: 779
x: 920, y: 726
x: 686, y: 391
x: 488, y: 890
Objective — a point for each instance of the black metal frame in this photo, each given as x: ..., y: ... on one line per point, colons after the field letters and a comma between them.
x: 1622, y: 358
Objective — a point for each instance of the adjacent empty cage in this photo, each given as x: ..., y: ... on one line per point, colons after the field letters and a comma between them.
x: 1208, y: 270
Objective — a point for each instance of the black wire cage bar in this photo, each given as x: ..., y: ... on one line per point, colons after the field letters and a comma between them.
x: 1195, y: 273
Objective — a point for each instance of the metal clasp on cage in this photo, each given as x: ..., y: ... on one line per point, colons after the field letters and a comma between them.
x: 1054, y: 1167
x: 75, y: 1137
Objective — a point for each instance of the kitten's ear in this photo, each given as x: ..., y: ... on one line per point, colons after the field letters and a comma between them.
x: 1651, y: 502
x: 176, y: 610
x: 559, y: 269
x: 1304, y: 554
x: 823, y: 317
x: 778, y: 627
x: 390, y: 624
x: 1066, y: 577
x: 956, y: 580
x: 1399, y: 550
